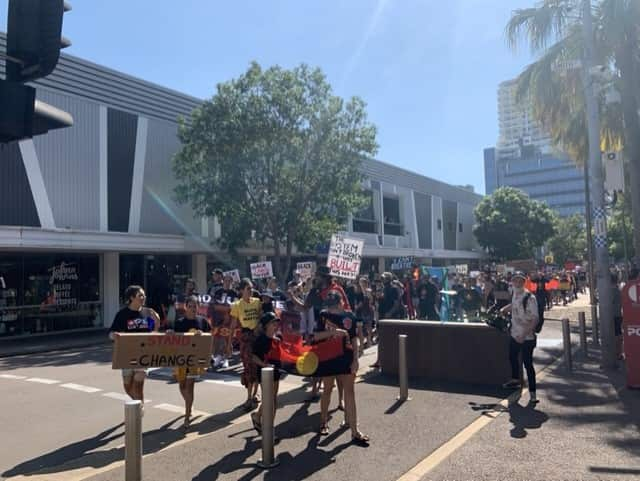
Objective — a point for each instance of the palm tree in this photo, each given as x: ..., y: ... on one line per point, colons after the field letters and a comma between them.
x: 553, y: 30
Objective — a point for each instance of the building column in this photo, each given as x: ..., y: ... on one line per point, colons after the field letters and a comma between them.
x: 110, y: 286
x: 199, y: 271
x: 381, y: 265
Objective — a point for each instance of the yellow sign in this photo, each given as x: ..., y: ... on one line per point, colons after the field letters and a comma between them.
x: 548, y: 259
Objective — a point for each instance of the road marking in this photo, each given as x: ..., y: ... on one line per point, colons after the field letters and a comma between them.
x: 80, y: 387
x: 226, y: 381
x: 172, y: 408
x: 117, y: 395
x: 429, y: 463
x: 12, y: 376
x: 42, y: 380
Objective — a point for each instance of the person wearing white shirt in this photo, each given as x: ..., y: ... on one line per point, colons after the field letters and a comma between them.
x: 524, y: 318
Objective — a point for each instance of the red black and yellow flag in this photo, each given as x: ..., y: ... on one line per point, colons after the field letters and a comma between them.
x: 325, y: 358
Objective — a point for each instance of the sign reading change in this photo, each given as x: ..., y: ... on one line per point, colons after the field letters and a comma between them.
x: 345, y: 256
x: 144, y: 350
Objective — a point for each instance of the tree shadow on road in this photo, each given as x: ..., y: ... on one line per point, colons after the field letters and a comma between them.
x: 100, y: 354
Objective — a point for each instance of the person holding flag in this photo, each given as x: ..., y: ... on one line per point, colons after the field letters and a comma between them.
x: 339, y: 323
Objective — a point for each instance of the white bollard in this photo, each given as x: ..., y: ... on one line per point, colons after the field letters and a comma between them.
x: 133, y: 440
x: 268, y: 459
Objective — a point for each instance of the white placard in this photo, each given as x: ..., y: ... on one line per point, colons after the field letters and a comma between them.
x: 261, y: 270
x: 462, y: 269
x: 345, y: 256
x: 306, y: 269
x: 234, y: 274
x: 402, y: 263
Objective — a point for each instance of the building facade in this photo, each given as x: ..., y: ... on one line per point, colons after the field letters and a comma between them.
x: 524, y: 158
x: 87, y: 210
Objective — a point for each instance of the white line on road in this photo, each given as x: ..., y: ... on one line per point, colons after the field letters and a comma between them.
x: 12, y: 376
x: 80, y: 387
x: 42, y: 380
x: 226, y: 381
x: 172, y: 408
x: 121, y: 397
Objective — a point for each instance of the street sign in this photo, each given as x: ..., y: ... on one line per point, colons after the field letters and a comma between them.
x: 156, y: 349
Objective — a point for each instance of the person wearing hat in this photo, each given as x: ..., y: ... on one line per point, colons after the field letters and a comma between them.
x: 524, y: 318
x: 328, y: 284
x: 267, y: 329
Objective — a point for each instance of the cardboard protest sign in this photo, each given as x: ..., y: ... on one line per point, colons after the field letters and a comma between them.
x: 345, y: 256
x: 234, y: 274
x: 155, y: 349
x: 306, y: 269
x: 261, y: 270
x: 462, y: 269
x: 402, y: 263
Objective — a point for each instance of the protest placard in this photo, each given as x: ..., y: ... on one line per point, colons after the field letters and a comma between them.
x: 462, y: 269
x: 402, y: 263
x: 306, y: 269
x: 156, y: 349
x: 234, y: 274
x: 345, y: 256
x: 261, y: 270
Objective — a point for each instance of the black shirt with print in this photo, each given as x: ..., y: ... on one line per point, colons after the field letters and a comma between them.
x: 128, y: 320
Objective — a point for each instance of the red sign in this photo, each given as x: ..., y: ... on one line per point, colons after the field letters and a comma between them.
x: 631, y: 331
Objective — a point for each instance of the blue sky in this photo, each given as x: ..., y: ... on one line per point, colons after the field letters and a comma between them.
x: 427, y: 69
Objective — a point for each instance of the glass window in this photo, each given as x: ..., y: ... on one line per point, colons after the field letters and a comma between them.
x: 392, y: 224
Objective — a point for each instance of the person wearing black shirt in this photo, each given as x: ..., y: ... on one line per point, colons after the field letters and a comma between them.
x: 261, y: 347
x: 134, y: 317
x: 187, y: 376
x: 389, y: 304
x: 340, y: 323
x: 427, y: 300
x: 217, y: 281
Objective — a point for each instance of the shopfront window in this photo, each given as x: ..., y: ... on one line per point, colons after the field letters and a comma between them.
x: 42, y: 293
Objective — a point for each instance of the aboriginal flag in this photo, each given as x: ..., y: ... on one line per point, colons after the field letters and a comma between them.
x: 324, y: 358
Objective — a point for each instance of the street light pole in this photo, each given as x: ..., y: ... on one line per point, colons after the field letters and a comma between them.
x: 609, y: 358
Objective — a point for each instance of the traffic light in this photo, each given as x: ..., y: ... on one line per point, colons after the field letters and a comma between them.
x: 34, y: 38
x: 33, y: 49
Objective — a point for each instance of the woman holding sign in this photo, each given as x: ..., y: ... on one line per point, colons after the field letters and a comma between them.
x: 134, y: 317
x: 247, y: 311
x: 186, y: 376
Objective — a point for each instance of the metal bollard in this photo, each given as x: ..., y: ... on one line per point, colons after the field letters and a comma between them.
x: 403, y: 374
x: 595, y: 325
x: 268, y: 459
x: 566, y: 342
x: 133, y: 440
x: 583, y: 332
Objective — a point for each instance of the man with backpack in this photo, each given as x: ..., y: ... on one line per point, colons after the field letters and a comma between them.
x: 524, y: 325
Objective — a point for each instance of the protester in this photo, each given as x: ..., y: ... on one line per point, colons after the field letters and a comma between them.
x: 274, y: 290
x: 261, y: 346
x: 541, y: 292
x: 341, y: 323
x: 216, y: 281
x: 524, y: 318
x: 134, y: 317
x: 187, y: 376
x: 327, y: 284
x: 428, y: 295
x: 364, y: 312
x: 223, y: 298
x: 246, y: 312
x: 389, y: 300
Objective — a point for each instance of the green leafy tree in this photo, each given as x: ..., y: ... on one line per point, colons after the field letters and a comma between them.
x: 553, y: 30
x: 620, y: 229
x: 510, y: 225
x: 570, y: 239
x: 276, y: 157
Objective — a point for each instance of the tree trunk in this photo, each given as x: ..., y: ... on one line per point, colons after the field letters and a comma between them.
x: 631, y: 137
x: 289, y: 250
x: 277, y: 264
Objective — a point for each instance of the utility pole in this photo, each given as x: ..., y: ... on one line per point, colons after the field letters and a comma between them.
x: 603, y: 282
x: 590, y: 257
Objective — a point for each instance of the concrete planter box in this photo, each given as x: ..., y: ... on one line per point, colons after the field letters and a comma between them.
x: 457, y: 352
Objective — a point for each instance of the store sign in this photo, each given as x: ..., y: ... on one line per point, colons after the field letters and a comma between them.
x: 63, y: 279
x: 145, y: 350
x: 402, y: 263
x: 261, y: 270
x: 306, y: 269
x: 345, y: 256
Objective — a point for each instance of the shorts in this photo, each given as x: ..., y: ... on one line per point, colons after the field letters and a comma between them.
x: 128, y: 372
x: 183, y: 373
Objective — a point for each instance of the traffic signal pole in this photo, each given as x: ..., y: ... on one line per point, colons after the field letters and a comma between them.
x: 600, y: 248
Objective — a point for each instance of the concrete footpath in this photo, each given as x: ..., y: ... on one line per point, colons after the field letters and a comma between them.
x: 52, y: 342
x: 587, y: 426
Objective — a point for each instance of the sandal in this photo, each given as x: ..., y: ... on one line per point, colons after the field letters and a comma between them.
x: 324, y: 429
x: 361, y: 440
x: 340, y: 406
x: 187, y: 422
x: 248, y: 405
x: 256, y: 424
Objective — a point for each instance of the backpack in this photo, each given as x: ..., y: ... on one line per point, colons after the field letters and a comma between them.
x: 540, y: 322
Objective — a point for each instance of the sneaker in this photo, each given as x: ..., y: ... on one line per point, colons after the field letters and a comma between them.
x: 225, y: 364
x: 512, y: 384
x: 533, y: 399
x: 216, y: 361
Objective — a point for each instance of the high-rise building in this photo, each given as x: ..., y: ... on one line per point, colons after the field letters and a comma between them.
x: 525, y: 159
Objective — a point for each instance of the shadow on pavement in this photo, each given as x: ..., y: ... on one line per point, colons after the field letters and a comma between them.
x: 524, y: 418
x: 94, y: 354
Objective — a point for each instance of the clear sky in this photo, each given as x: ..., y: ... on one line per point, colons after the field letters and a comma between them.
x: 428, y: 69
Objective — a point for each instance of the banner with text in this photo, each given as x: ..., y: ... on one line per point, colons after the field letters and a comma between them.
x: 234, y: 274
x: 161, y: 350
x: 402, y: 263
x: 345, y: 256
x: 306, y: 269
x: 261, y: 270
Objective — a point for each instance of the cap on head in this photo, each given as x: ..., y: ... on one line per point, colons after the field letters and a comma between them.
x: 267, y: 318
